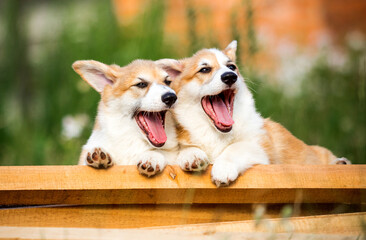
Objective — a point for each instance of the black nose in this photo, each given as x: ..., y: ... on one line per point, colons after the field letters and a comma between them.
x: 229, y: 78
x: 169, y: 98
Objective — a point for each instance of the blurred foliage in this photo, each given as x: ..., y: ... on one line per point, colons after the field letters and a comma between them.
x: 36, y: 94
x: 39, y: 88
x: 329, y: 111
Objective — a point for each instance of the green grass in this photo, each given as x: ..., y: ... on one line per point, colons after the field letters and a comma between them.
x: 39, y: 88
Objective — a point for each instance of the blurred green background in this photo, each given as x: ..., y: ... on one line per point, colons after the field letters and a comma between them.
x: 47, y: 111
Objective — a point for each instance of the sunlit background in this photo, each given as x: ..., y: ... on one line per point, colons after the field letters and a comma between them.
x: 303, y: 60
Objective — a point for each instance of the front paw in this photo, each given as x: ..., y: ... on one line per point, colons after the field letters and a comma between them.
x: 223, y: 173
x: 193, y: 159
x: 98, y: 158
x: 151, y: 163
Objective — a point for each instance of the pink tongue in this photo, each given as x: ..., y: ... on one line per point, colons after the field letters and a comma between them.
x: 156, y: 128
x: 222, y: 113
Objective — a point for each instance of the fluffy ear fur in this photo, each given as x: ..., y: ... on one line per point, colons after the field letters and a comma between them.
x: 230, y: 50
x: 96, y: 74
x: 171, y: 66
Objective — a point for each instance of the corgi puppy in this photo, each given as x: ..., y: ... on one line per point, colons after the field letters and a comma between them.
x: 217, y: 121
x: 133, y: 125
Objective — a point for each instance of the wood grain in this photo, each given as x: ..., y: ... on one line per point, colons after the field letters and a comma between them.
x: 137, y: 216
x: 348, y: 223
x: 117, y: 234
x: 32, y: 185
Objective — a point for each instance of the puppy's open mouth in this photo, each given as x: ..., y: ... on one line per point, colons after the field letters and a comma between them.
x: 220, y: 109
x: 153, y: 125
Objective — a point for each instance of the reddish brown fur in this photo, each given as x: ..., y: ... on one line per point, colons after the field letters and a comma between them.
x: 183, y: 135
x: 284, y: 148
x: 190, y: 67
x: 281, y: 146
x: 123, y: 78
x: 126, y: 78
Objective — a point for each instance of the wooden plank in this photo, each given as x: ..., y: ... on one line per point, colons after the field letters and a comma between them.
x: 136, y: 216
x: 123, y: 216
x: 348, y: 223
x: 124, y: 185
x: 117, y: 234
x: 127, y: 177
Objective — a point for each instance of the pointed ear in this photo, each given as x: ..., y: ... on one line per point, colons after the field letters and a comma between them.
x: 230, y: 50
x: 96, y: 74
x: 173, y: 67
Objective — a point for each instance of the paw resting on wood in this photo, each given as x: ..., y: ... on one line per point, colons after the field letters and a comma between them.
x: 193, y: 160
x: 147, y: 168
x: 98, y: 158
x: 224, y: 173
x: 151, y: 164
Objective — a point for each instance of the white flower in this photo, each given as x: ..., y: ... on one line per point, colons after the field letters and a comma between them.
x: 356, y: 40
x: 294, y: 63
x: 336, y: 59
x: 73, y: 126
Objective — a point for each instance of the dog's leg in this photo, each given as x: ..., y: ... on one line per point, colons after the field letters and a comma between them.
x: 94, y: 154
x: 284, y: 148
x: 341, y: 161
x: 192, y: 159
x: 235, y: 159
x: 151, y: 163
x: 327, y: 157
x: 97, y: 158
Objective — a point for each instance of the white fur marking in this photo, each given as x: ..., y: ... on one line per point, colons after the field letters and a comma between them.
x: 152, y: 101
x: 233, y: 45
x: 190, y: 155
x: 231, y: 153
x: 204, y: 62
x: 222, y: 59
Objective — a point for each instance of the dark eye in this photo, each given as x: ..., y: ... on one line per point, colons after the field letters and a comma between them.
x: 231, y: 67
x: 141, y: 85
x: 167, y: 82
x: 205, y: 70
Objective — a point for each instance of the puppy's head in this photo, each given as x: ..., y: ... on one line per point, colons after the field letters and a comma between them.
x: 139, y: 91
x: 210, y: 77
